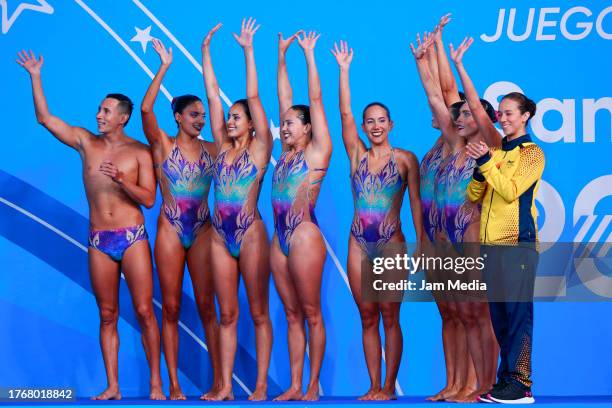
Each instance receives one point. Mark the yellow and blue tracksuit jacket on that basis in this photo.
(506, 182)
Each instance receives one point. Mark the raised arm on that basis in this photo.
(262, 130)
(350, 137)
(321, 139)
(432, 90)
(285, 94)
(215, 108)
(490, 134)
(65, 133)
(149, 122)
(445, 74)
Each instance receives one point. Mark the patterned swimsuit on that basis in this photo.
(237, 187)
(430, 166)
(378, 200)
(293, 195)
(185, 187)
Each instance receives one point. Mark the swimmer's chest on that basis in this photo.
(123, 157)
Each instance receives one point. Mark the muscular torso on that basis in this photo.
(109, 206)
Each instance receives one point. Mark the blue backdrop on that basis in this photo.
(559, 56)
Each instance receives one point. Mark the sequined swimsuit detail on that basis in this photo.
(185, 187)
(237, 187)
(378, 199)
(115, 242)
(295, 188)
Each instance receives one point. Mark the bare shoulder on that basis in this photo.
(406, 157)
(141, 150)
(210, 147)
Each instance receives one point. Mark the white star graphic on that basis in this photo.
(143, 37)
(7, 22)
(275, 131)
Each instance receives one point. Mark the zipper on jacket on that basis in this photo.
(490, 205)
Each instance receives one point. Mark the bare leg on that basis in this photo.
(104, 274)
(461, 355)
(170, 261)
(394, 343)
(255, 268)
(200, 270)
(306, 260)
(370, 320)
(296, 335)
(138, 272)
(225, 277)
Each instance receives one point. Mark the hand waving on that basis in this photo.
(343, 55)
(206, 40)
(29, 62)
(284, 43)
(308, 42)
(422, 47)
(457, 55)
(164, 55)
(444, 20)
(247, 32)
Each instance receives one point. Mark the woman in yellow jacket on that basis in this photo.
(506, 182)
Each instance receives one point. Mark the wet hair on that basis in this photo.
(369, 105)
(245, 105)
(125, 104)
(455, 109)
(303, 113)
(179, 103)
(525, 104)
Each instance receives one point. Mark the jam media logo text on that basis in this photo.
(574, 24)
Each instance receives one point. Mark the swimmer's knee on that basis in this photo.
(109, 316)
(171, 312)
(229, 317)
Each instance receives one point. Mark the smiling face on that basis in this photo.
(110, 117)
(465, 123)
(293, 130)
(238, 123)
(511, 120)
(376, 124)
(192, 119)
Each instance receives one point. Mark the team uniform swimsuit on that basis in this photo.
(184, 186)
(295, 188)
(237, 187)
(430, 165)
(115, 242)
(457, 213)
(378, 200)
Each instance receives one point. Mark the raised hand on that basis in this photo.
(422, 47)
(109, 169)
(284, 43)
(476, 150)
(444, 20)
(164, 55)
(343, 55)
(247, 32)
(29, 62)
(206, 40)
(457, 54)
(308, 42)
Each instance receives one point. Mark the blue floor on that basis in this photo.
(345, 402)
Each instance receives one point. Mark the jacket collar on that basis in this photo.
(509, 145)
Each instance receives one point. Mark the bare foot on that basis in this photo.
(464, 395)
(156, 393)
(440, 396)
(292, 394)
(312, 394)
(260, 394)
(176, 393)
(384, 395)
(224, 394)
(111, 393)
(213, 390)
(370, 394)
